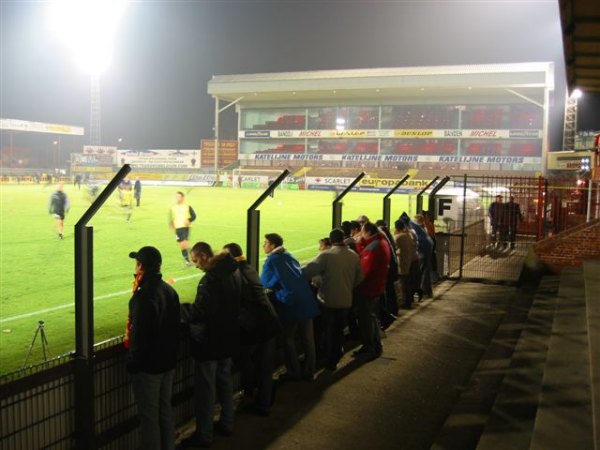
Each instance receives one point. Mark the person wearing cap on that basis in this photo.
(181, 216)
(216, 308)
(152, 340)
(340, 272)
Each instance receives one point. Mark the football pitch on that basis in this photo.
(37, 269)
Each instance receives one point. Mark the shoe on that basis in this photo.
(195, 441)
(253, 408)
(375, 355)
(222, 430)
(188, 263)
(287, 377)
(362, 351)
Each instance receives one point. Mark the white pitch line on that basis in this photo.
(104, 297)
(72, 305)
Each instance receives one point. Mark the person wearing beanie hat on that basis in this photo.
(152, 340)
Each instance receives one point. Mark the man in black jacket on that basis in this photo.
(152, 338)
(215, 310)
(259, 325)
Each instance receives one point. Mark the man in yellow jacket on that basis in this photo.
(181, 216)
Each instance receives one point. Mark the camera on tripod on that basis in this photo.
(39, 330)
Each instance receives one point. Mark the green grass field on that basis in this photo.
(37, 270)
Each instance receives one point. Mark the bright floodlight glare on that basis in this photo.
(88, 27)
(576, 93)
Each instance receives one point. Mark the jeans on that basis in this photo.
(334, 321)
(152, 394)
(212, 381)
(366, 310)
(292, 365)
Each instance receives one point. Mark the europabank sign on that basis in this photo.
(159, 159)
(228, 152)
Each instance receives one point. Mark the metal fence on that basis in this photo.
(37, 404)
(37, 410)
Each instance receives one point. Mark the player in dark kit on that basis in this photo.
(58, 207)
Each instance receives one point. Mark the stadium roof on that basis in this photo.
(489, 83)
(581, 40)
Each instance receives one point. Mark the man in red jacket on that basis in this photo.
(374, 258)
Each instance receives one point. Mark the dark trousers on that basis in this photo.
(334, 322)
(256, 370)
(368, 324)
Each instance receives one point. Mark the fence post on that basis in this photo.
(253, 222)
(464, 224)
(387, 201)
(420, 195)
(84, 319)
(336, 206)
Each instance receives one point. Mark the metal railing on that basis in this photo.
(37, 404)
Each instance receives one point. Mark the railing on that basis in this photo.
(37, 404)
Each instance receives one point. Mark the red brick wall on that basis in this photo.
(570, 247)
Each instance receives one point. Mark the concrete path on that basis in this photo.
(399, 401)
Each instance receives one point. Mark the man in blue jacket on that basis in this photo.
(295, 304)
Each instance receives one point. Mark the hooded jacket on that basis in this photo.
(153, 326)
(217, 306)
(282, 274)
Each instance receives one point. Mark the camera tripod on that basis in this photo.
(42, 333)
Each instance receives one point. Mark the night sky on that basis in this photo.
(154, 94)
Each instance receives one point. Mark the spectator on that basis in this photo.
(181, 216)
(295, 304)
(388, 306)
(152, 339)
(513, 216)
(59, 206)
(340, 272)
(354, 233)
(324, 244)
(216, 339)
(408, 262)
(496, 213)
(375, 259)
(428, 223)
(137, 191)
(259, 326)
(425, 248)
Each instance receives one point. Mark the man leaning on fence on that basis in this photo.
(152, 338)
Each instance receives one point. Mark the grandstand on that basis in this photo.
(483, 118)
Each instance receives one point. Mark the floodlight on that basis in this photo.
(576, 94)
(88, 27)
